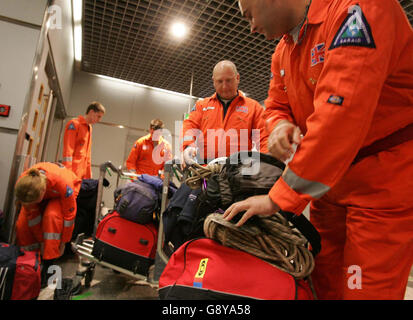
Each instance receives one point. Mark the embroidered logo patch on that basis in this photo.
(242, 109)
(337, 100)
(69, 191)
(355, 31)
(71, 127)
(317, 54)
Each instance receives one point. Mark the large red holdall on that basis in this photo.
(19, 273)
(203, 269)
(126, 244)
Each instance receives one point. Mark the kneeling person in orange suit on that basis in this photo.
(149, 153)
(47, 193)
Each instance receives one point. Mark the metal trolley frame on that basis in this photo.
(83, 247)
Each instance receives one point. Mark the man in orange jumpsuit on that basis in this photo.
(149, 153)
(226, 122)
(342, 76)
(47, 193)
(77, 141)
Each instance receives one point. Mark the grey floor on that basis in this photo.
(108, 285)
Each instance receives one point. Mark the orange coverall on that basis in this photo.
(51, 221)
(346, 83)
(220, 137)
(77, 146)
(144, 157)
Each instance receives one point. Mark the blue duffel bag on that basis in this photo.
(137, 201)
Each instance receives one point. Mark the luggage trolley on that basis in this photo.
(83, 247)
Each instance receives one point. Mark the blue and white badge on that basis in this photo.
(355, 31)
(69, 191)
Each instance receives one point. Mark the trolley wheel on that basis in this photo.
(89, 277)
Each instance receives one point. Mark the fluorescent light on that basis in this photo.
(77, 26)
(179, 30)
(77, 11)
(78, 43)
(145, 86)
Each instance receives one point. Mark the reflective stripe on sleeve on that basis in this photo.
(188, 138)
(51, 236)
(68, 223)
(34, 221)
(67, 159)
(301, 185)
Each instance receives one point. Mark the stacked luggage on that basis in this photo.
(209, 269)
(127, 236)
(125, 239)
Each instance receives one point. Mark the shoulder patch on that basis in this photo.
(69, 191)
(71, 126)
(355, 31)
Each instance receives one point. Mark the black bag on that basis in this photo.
(244, 174)
(180, 215)
(86, 207)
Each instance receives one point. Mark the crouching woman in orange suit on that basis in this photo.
(47, 193)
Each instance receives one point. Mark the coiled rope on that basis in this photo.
(270, 238)
(198, 173)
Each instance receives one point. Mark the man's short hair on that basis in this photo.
(96, 107)
(156, 124)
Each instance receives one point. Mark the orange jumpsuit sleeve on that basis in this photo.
(276, 105)
(192, 126)
(133, 156)
(343, 112)
(259, 124)
(68, 194)
(69, 143)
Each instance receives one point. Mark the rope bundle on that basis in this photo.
(270, 238)
(198, 173)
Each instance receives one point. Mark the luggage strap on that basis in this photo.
(306, 228)
(396, 138)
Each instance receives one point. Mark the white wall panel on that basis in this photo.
(18, 47)
(61, 42)
(31, 11)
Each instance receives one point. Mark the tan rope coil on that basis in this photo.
(198, 173)
(270, 238)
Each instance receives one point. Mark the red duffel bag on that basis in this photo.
(203, 269)
(19, 273)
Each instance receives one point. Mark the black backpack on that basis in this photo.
(244, 174)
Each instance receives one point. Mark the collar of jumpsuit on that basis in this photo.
(315, 15)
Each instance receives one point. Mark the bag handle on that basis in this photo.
(306, 228)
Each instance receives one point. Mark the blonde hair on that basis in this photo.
(30, 187)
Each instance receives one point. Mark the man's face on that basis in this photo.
(226, 82)
(95, 117)
(155, 132)
(272, 18)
